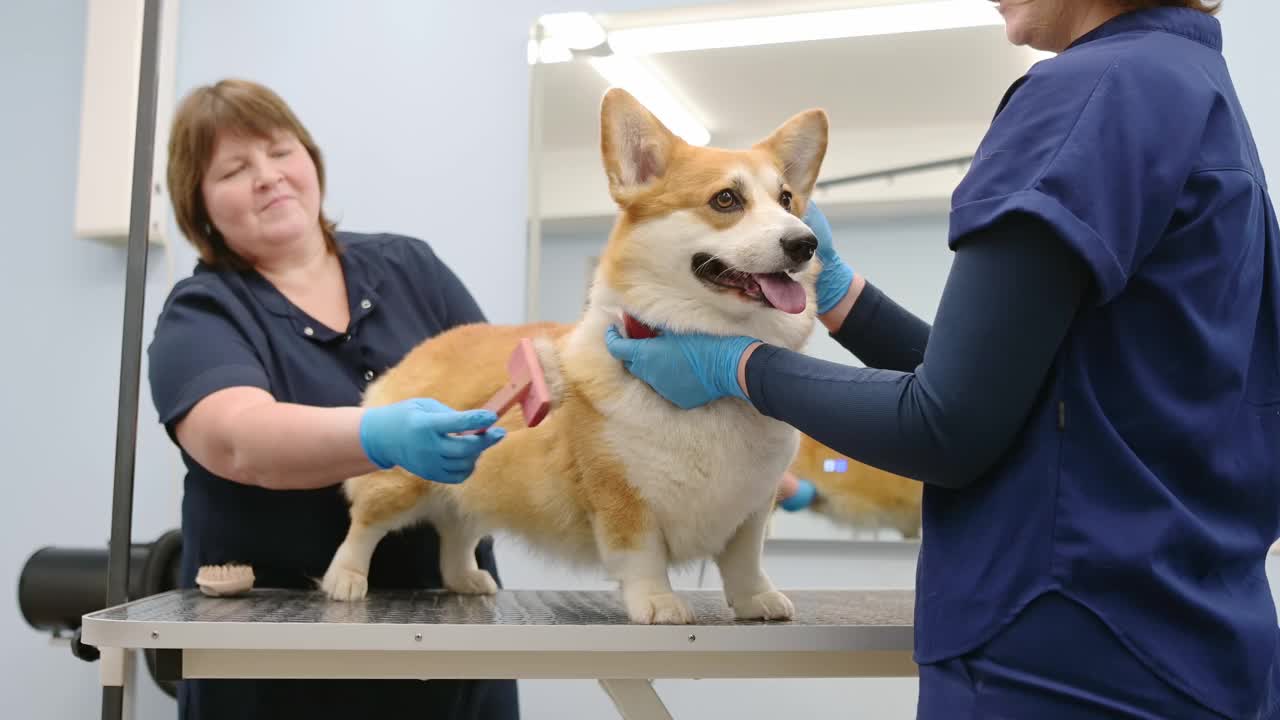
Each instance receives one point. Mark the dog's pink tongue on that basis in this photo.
(783, 292)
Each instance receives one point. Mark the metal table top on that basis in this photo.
(511, 621)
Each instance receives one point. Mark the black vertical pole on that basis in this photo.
(131, 344)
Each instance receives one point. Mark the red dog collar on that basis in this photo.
(636, 329)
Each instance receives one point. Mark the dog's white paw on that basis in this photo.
(343, 584)
(770, 605)
(662, 609)
(472, 582)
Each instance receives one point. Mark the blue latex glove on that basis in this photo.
(836, 275)
(416, 435)
(688, 370)
(803, 497)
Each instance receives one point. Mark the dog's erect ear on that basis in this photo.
(636, 146)
(800, 145)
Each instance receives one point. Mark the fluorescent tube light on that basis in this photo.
(554, 51)
(630, 75)
(798, 27)
(575, 30)
(549, 51)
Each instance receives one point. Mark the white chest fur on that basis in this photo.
(702, 471)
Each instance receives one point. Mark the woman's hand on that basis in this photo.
(795, 493)
(417, 435)
(688, 370)
(836, 277)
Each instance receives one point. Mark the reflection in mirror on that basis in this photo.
(909, 89)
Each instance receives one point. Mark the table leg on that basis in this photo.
(118, 672)
(636, 699)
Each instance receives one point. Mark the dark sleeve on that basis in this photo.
(1012, 294)
(883, 334)
(457, 305)
(198, 348)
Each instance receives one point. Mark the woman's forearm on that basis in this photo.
(283, 446)
(1010, 300)
(881, 333)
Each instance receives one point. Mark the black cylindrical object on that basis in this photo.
(60, 585)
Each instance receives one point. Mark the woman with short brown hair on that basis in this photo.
(240, 108)
(257, 368)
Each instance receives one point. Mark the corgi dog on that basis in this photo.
(615, 477)
(855, 494)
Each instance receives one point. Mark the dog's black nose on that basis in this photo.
(799, 247)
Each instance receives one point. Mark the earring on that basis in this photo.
(208, 231)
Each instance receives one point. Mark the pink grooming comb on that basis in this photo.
(525, 385)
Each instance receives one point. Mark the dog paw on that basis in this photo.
(770, 605)
(472, 582)
(663, 609)
(345, 585)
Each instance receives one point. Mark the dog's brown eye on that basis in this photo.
(725, 201)
(785, 199)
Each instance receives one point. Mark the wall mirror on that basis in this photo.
(910, 88)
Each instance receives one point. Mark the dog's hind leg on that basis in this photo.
(459, 537)
(380, 503)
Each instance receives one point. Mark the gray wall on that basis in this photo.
(61, 353)
(413, 146)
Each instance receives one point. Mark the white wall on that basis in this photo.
(61, 351)
(413, 145)
(1249, 46)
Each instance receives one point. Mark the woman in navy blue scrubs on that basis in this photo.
(257, 368)
(1095, 411)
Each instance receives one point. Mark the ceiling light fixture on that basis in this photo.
(629, 74)
(575, 30)
(798, 27)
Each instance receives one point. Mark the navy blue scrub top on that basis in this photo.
(220, 329)
(1146, 482)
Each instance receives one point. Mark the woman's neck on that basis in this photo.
(299, 264)
(1094, 17)
(312, 279)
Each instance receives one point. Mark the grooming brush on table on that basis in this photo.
(225, 580)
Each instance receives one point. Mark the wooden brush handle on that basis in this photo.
(501, 402)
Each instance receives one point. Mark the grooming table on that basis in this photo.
(515, 634)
